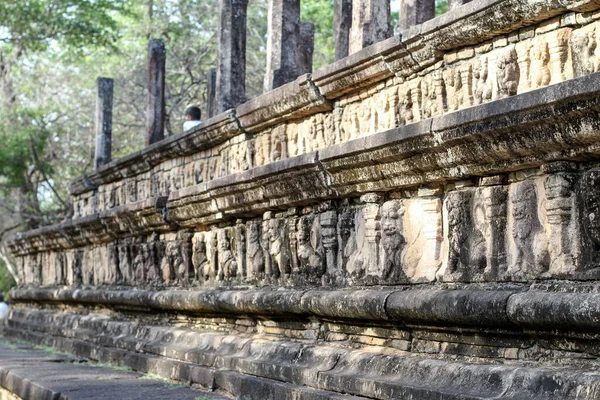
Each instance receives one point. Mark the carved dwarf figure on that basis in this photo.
(540, 57)
(392, 241)
(255, 253)
(171, 262)
(279, 248)
(125, 263)
(507, 73)
(139, 265)
(310, 254)
(199, 257)
(531, 252)
(151, 266)
(227, 263)
(483, 89)
(467, 247)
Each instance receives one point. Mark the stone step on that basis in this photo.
(37, 374)
(240, 364)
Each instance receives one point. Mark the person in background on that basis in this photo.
(3, 307)
(192, 116)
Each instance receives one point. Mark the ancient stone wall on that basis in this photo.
(424, 210)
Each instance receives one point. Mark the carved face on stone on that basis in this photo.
(254, 235)
(199, 246)
(391, 218)
(224, 244)
(274, 229)
(590, 190)
(304, 228)
(346, 226)
(456, 212)
(524, 209)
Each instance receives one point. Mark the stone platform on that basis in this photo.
(418, 220)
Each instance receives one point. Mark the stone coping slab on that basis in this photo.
(511, 307)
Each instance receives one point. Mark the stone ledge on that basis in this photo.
(126, 220)
(293, 100)
(212, 132)
(509, 308)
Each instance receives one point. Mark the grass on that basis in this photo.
(51, 350)
(166, 383)
(122, 368)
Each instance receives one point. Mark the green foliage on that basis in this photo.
(36, 24)
(441, 7)
(320, 12)
(7, 281)
(166, 383)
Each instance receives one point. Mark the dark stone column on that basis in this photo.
(370, 23)
(211, 87)
(414, 12)
(155, 117)
(282, 43)
(306, 47)
(342, 21)
(452, 4)
(231, 62)
(104, 105)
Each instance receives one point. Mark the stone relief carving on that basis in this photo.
(585, 51)
(200, 257)
(393, 241)
(124, 262)
(227, 264)
(540, 58)
(138, 264)
(559, 213)
(405, 107)
(310, 249)
(494, 200)
(558, 48)
(507, 71)
(466, 243)
(482, 81)
(454, 88)
(590, 219)
(279, 249)
(530, 254)
(542, 227)
(171, 262)
(255, 254)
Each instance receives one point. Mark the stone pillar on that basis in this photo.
(415, 12)
(306, 47)
(155, 117)
(282, 43)
(370, 23)
(104, 104)
(452, 4)
(211, 88)
(231, 61)
(342, 21)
